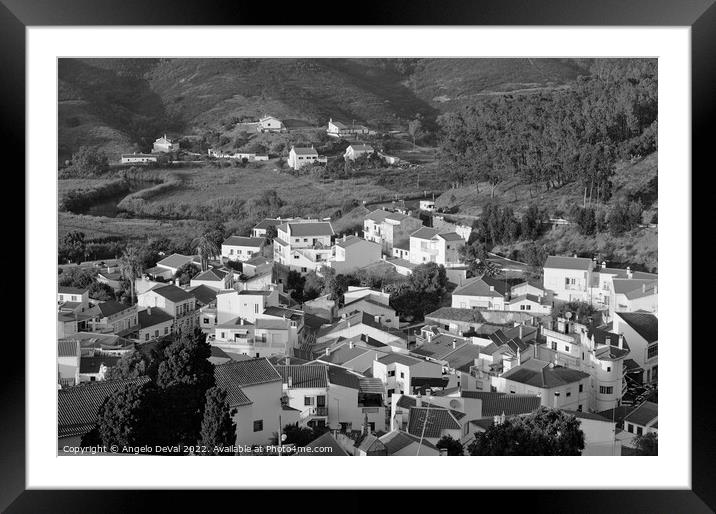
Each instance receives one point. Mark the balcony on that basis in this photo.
(314, 412)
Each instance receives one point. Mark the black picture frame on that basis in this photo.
(700, 15)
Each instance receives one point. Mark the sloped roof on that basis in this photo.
(425, 233)
(67, 348)
(343, 377)
(455, 314)
(361, 148)
(370, 443)
(397, 440)
(111, 307)
(172, 292)
(451, 236)
(246, 373)
(304, 150)
(90, 364)
(77, 406)
(304, 376)
(575, 263)
(644, 323)
(311, 228)
(494, 404)
(203, 294)
(352, 240)
(587, 415)
(643, 414)
(400, 358)
(211, 274)
(343, 354)
(70, 290)
(267, 222)
(175, 260)
(325, 441)
(441, 346)
(252, 242)
(377, 215)
(370, 385)
(541, 374)
(437, 420)
(480, 286)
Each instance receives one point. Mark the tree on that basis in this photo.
(218, 429)
(647, 444)
(581, 311)
(130, 365)
(271, 233)
(76, 277)
(476, 257)
(294, 283)
(453, 446)
(313, 286)
(186, 272)
(73, 246)
(298, 435)
(130, 267)
(534, 255)
(121, 418)
(86, 162)
(206, 248)
(415, 127)
(100, 291)
(543, 432)
(422, 292)
(335, 284)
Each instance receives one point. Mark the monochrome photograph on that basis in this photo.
(357, 256)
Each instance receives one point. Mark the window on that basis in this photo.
(653, 351)
(166, 330)
(391, 373)
(390, 392)
(566, 347)
(256, 308)
(146, 336)
(554, 345)
(402, 375)
(223, 335)
(606, 389)
(206, 321)
(654, 373)
(581, 388)
(630, 428)
(156, 333)
(569, 393)
(308, 400)
(579, 408)
(258, 425)
(639, 430)
(609, 368)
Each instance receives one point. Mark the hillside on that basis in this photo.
(632, 180)
(122, 105)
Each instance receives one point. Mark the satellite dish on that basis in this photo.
(568, 315)
(455, 404)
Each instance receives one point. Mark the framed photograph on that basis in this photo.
(433, 232)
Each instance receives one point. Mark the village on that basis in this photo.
(501, 340)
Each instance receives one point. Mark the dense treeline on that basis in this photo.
(557, 137)
(79, 200)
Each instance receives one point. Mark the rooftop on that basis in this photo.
(397, 440)
(644, 323)
(111, 307)
(425, 233)
(70, 290)
(171, 292)
(543, 374)
(438, 419)
(304, 376)
(482, 286)
(310, 229)
(176, 260)
(575, 263)
(643, 414)
(252, 242)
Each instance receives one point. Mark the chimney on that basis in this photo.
(628, 271)
(350, 345)
(290, 381)
(520, 331)
(454, 342)
(621, 341)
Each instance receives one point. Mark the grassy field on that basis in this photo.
(129, 229)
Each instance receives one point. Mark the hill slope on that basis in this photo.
(123, 104)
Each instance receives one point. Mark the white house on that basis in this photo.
(390, 229)
(299, 157)
(114, 318)
(71, 297)
(568, 278)
(558, 386)
(481, 293)
(429, 245)
(352, 253)
(305, 388)
(644, 419)
(174, 301)
(213, 278)
(352, 397)
(68, 362)
(254, 389)
(370, 301)
(400, 372)
(340, 129)
(303, 246)
(138, 158)
(270, 124)
(355, 151)
(630, 295)
(641, 330)
(165, 145)
(238, 248)
(153, 324)
(246, 304)
(363, 323)
(427, 205)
